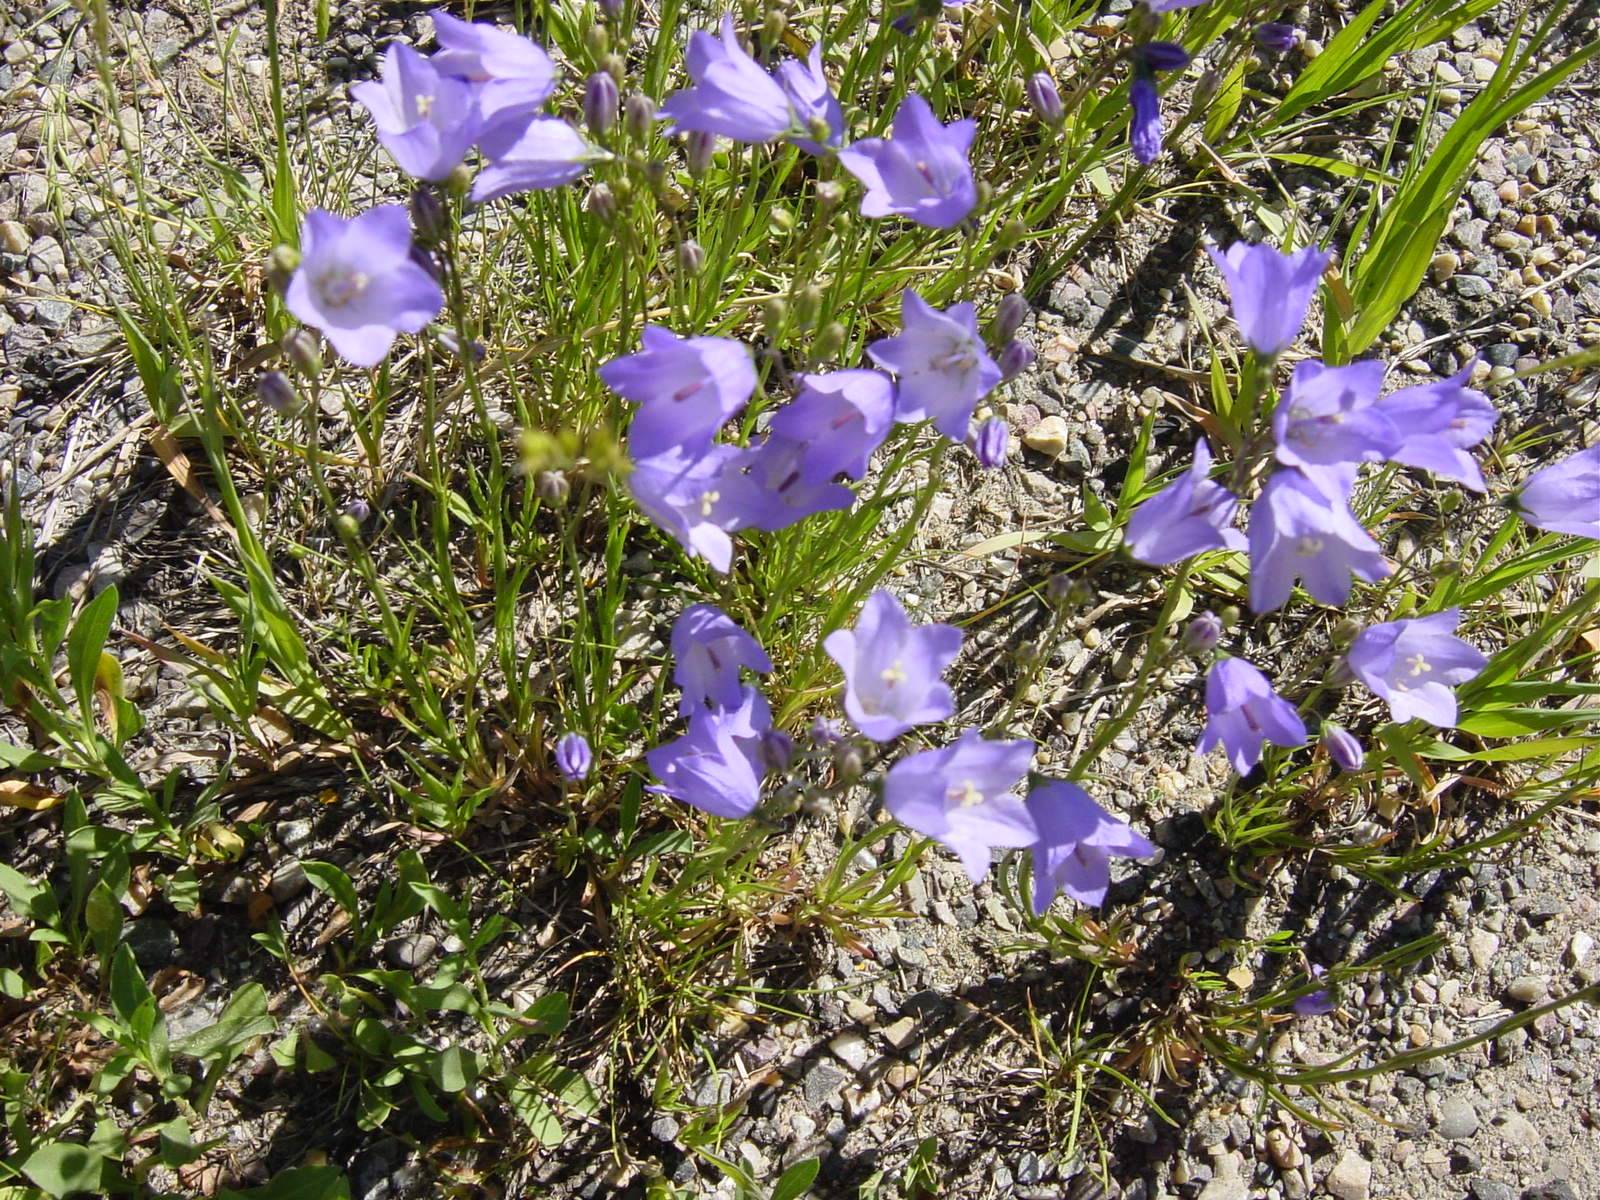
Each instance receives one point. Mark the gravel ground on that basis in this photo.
(924, 1033)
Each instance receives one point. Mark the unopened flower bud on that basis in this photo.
(1016, 358)
(1276, 37)
(777, 750)
(427, 215)
(773, 25)
(1343, 747)
(612, 9)
(1202, 634)
(1345, 630)
(1009, 316)
(301, 349)
(1043, 97)
(639, 114)
(359, 510)
(600, 102)
(691, 257)
(828, 342)
(614, 66)
(655, 174)
(781, 218)
(1205, 91)
(808, 305)
(988, 442)
(281, 266)
(821, 132)
(1011, 233)
(552, 488)
(847, 762)
(1062, 592)
(698, 148)
(275, 391)
(773, 312)
(1231, 616)
(573, 757)
(598, 41)
(985, 193)
(827, 731)
(601, 202)
(1339, 674)
(829, 193)
(347, 527)
(459, 181)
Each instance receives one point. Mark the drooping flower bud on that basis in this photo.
(698, 148)
(598, 41)
(639, 114)
(1014, 309)
(612, 8)
(829, 193)
(552, 487)
(1011, 232)
(614, 66)
(1016, 358)
(828, 342)
(808, 305)
(772, 26)
(281, 265)
(573, 757)
(777, 750)
(773, 312)
(427, 215)
(1343, 747)
(275, 391)
(1162, 56)
(600, 103)
(847, 762)
(988, 442)
(1276, 37)
(1202, 634)
(601, 202)
(358, 510)
(301, 349)
(691, 257)
(1043, 98)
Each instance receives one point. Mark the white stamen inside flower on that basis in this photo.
(958, 358)
(1307, 546)
(1418, 665)
(708, 501)
(893, 674)
(339, 288)
(424, 107)
(964, 796)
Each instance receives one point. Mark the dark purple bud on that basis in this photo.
(847, 762)
(600, 102)
(611, 8)
(1043, 97)
(275, 391)
(301, 349)
(1016, 358)
(988, 442)
(1202, 634)
(827, 731)
(777, 750)
(573, 757)
(1276, 37)
(427, 215)
(552, 488)
(698, 147)
(358, 510)
(1162, 56)
(1058, 590)
(602, 202)
(1343, 747)
(691, 257)
(639, 114)
(1008, 318)
(1317, 1003)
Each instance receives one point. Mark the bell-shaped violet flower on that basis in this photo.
(942, 367)
(1318, 1003)
(1329, 417)
(1437, 424)
(770, 486)
(1270, 291)
(547, 153)
(1299, 531)
(988, 443)
(1343, 747)
(1077, 840)
(733, 95)
(1166, 6)
(708, 648)
(425, 119)
(717, 766)
(685, 388)
(1413, 664)
(842, 418)
(358, 283)
(920, 172)
(961, 796)
(1565, 496)
(1243, 713)
(511, 77)
(1188, 516)
(679, 493)
(892, 668)
(1144, 131)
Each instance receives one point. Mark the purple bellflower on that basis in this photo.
(1203, 634)
(1077, 840)
(988, 442)
(1016, 358)
(1144, 98)
(1343, 747)
(425, 119)
(717, 766)
(1565, 496)
(358, 283)
(1275, 37)
(942, 366)
(685, 388)
(1188, 516)
(547, 153)
(920, 172)
(1413, 664)
(679, 492)
(771, 487)
(892, 668)
(734, 96)
(1270, 291)
(708, 648)
(1299, 531)
(1329, 417)
(511, 77)
(573, 757)
(842, 418)
(1437, 424)
(1318, 1003)
(961, 796)
(1243, 713)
